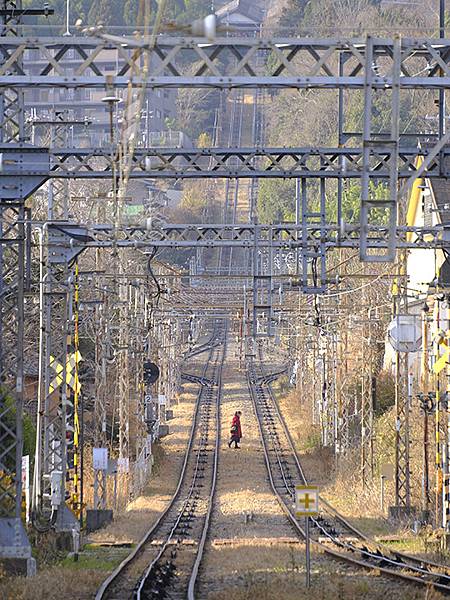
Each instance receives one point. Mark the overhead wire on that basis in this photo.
(152, 255)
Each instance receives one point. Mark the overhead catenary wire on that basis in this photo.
(157, 296)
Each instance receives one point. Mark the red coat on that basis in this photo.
(237, 422)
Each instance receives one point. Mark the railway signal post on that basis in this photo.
(307, 505)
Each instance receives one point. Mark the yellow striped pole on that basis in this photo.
(425, 381)
(446, 492)
(437, 416)
(76, 389)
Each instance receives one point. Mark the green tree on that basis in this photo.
(107, 12)
(131, 11)
(276, 200)
(292, 15)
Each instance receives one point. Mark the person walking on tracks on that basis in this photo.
(236, 430)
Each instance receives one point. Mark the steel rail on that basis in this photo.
(201, 546)
(335, 514)
(330, 509)
(232, 184)
(111, 579)
(202, 347)
(140, 592)
(205, 527)
(377, 555)
(423, 573)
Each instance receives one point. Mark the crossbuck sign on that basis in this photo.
(306, 500)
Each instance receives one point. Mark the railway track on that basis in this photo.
(171, 550)
(330, 531)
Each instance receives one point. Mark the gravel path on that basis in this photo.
(248, 525)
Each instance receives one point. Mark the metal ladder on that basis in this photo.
(313, 243)
(374, 211)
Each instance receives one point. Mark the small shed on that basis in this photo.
(241, 14)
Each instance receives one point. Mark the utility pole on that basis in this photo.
(367, 400)
(446, 479)
(427, 404)
(102, 354)
(14, 545)
(123, 383)
(137, 402)
(437, 421)
(442, 126)
(402, 400)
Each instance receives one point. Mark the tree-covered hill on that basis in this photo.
(358, 16)
(310, 117)
(122, 12)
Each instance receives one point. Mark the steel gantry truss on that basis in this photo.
(224, 63)
(55, 403)
(375, 65)
(190, 163)
(58, 363)
(288, 236)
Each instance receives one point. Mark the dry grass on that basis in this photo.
(277, 572)
(278, 586)
(79, 580)
(54, 583)
(130, 524)
(340, 482)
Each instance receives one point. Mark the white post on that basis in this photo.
(67, 32)
(307, 553)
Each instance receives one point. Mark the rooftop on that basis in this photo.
(247, 8)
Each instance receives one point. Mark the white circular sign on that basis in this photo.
(405, 333)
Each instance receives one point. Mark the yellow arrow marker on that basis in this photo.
(71, 380)
(441, 363)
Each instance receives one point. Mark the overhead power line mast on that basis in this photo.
(127, 396)
(374, 210)
(58, 363)
(14, 544)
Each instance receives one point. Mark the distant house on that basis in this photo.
(241, 14)
(86, 104)
(427, 269)
(429, 205)
(385, 4)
